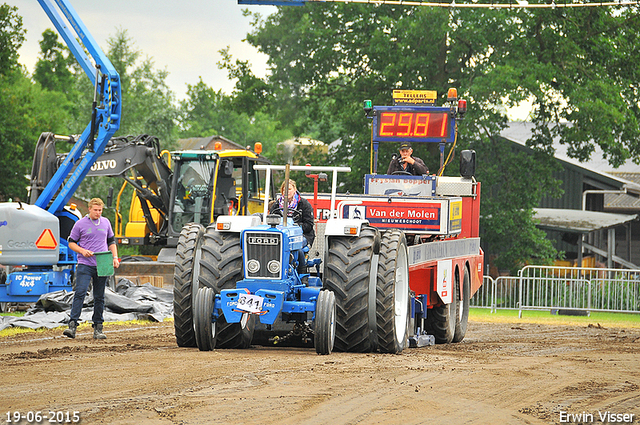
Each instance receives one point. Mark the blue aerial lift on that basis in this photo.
(35, 236)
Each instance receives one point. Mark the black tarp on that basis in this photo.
(127, 302)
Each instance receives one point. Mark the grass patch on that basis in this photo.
(543, 317)
(17, 313)
(11, 331)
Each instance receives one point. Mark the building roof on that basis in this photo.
(522, 131)
(597, 166)
(623, 202)
(577, 221)
(207, 143)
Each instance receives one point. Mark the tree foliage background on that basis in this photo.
(575, 65)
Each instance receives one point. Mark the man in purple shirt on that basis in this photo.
(91, 234)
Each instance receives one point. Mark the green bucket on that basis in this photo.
(105, 263)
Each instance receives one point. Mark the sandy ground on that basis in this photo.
(500, 374)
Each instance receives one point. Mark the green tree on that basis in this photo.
(207, 112)
(11, 38)
(25, 110)
(513, 182)
(251, 94)
(53, 69)
(148, 105)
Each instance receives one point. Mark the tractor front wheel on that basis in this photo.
(325, 323)
(205, 329)
(221, 268)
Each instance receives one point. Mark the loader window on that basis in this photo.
(193, 193)
(256, 182)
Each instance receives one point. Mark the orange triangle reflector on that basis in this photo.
(46, 240)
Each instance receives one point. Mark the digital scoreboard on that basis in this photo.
(412, 124)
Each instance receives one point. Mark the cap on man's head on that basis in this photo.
(405, 145)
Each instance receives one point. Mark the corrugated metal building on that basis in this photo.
(590, 187)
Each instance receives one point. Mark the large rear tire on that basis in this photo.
(221, 268)
(325, 324)
(392, 293)
(347, 273)
(463, 308)
(441, 321)
(185, 279)
(205, 329)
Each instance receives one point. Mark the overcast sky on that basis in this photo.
(182, 36)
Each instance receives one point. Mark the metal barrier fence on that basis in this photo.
(500, 293)
(547, 287)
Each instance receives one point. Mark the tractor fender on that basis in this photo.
(236, 223)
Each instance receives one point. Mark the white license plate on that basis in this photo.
(250, 303)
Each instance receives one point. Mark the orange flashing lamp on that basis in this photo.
(257, 148)
(452, 94)
(72, 206)
(217, 146)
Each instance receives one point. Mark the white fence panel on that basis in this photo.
(548, 287)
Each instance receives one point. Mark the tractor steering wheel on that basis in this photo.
(296, 215)
(401, 173)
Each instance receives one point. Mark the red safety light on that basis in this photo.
(462, 106)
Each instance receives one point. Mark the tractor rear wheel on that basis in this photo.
(185, 279)
(205, 329)
(221, 268)
(347, 273)
(463, 308)
(325, 324)
(441, 321)
(392, 293)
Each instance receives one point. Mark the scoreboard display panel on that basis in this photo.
(413, 124)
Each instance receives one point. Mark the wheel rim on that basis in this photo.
(401, 295)
(195, 275)
(213, 327)
(460, 304)
(332, 322)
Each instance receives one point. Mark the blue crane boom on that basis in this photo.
(106, 113)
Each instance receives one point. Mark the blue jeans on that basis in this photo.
(84, 275)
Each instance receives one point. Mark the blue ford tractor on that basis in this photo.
(244, 269)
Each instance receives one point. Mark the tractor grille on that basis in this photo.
(263, 252)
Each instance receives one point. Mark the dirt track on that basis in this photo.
(500, 374)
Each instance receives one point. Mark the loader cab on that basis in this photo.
(249, 183)
(207, 184)
(192, 188)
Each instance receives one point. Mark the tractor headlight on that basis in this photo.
(253, 266)
(274, 266)
(273, 219)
